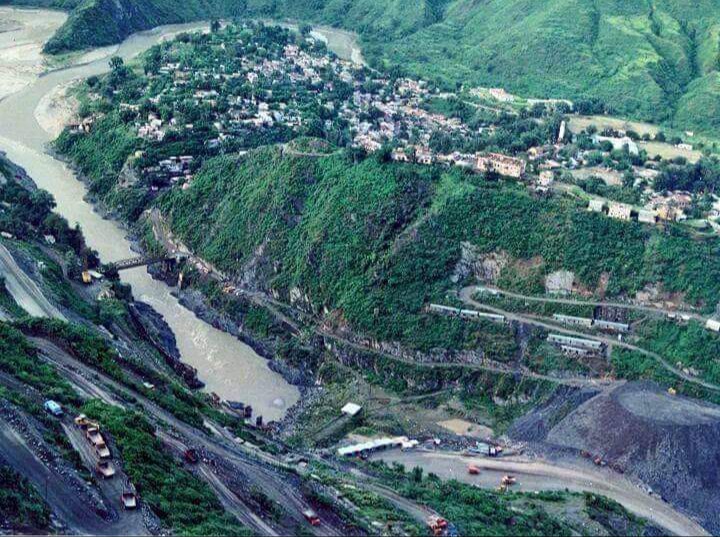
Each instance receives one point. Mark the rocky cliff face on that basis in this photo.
(670, 443)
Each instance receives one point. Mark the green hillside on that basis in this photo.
(377, 241)
(655, 61)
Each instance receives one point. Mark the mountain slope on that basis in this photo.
(651, 60)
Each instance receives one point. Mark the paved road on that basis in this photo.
(24, 290)
(539, 475)
(466, 296)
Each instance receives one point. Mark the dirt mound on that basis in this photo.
(670, 443)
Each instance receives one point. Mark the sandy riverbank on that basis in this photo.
(57, 109)
(22, 33)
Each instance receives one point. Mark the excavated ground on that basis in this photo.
(669, 443)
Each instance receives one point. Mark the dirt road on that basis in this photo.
(128, 522)
(575, 302)
(467, 293)
(62, 495)
(24, 290)
(485, 366)
(260, 469)
(535, 475)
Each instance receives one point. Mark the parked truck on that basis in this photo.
(312, 517)
(92, 433)
(128, 498)
(102, 450)
(105, 469)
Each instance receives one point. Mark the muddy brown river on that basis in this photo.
(227, 366)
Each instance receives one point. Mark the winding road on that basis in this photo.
(534, 475)
(260, 469)
(467, 293)
(575, 302)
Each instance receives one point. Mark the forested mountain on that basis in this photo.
(654, 60)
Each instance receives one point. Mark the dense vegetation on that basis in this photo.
(182, 501)
(19, 359)
(20, 503)
(655, 61)
(377, 241)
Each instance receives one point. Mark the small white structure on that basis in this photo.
(596, 206)
(561, 134)
(713, 324)
(646, 216)
(378, 444)
(620, 211)
(351, 409)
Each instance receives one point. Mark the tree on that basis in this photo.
(116, 63)
(215, 26)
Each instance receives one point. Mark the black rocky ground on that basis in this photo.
(669, 443)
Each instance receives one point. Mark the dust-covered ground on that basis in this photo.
(57, 109)
(22, 33)
(669, 443)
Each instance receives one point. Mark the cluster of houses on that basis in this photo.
(480, 162)
(660, 208)
(273, 90)
(254, 87)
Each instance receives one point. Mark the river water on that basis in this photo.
(226, 365)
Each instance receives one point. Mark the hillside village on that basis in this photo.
(253, 85)
(347, 300)
(257, 85)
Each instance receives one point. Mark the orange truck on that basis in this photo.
(438, 525)
(312, 517)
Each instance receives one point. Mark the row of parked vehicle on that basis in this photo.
(104, 466)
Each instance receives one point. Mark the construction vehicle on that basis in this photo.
(82, 421)
(437, 525)
(85, 423)
(102, 450)
(105, 469)
(92, 433)
(128, 498)
(191, 456)
(508, 480)
(312, 517)
(473, 470)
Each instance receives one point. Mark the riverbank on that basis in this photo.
(226, 365)
(22, 35)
